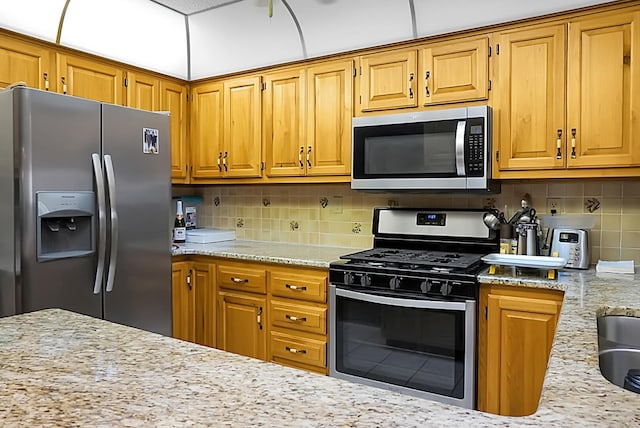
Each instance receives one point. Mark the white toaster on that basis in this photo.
(573, 245)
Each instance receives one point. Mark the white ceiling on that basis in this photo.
(194, 39)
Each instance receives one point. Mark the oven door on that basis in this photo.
(424, 348)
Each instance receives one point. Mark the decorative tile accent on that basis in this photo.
(216, 201)
(592, 204)
(324, 201)
(293, 225)
(357, 228)
(266, 202)
(240, 222)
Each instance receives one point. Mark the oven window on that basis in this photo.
(406, 150)
(421, 349)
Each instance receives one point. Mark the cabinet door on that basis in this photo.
(91, 79)
(603, 95)
(284, 133)
(242, 128)
(183, 301)
(530, 98)
(519, 337)
(242, 324)
(388, 80)
(173, 98)
(205, 306)
(23, 62)
(329, 112)
(455, 71)
(143, 91)
(206, 131)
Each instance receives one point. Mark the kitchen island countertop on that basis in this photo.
(61, 368)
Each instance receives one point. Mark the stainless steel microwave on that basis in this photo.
(445, 150)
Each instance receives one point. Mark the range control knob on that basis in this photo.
(394, 282)
(347, 278)
(445, 289)
(423, 287)
(365, 280)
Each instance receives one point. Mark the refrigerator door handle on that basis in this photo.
(111, 184)
(102, 221)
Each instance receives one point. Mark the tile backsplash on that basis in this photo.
(333, 214)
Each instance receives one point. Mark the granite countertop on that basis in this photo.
(58, 368)
(263, 251)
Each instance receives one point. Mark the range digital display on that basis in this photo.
(431, 219)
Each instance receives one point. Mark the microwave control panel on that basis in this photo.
(475, 148)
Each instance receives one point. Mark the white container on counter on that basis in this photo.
(208, 236)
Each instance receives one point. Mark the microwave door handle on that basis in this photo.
(460, 129)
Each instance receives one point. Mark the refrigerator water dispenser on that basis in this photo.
(65, 225)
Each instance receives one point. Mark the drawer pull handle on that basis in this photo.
(296, 287)
(295, 351)
(295, 318)
(239, 280)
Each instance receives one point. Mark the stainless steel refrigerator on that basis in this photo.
(85, 190)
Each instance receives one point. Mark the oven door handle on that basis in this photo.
(460, 130)
(394, 301)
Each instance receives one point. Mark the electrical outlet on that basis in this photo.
(554, 206)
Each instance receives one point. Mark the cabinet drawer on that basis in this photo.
(298, 349)
(298, 317)
(311, 287)
(243, 279)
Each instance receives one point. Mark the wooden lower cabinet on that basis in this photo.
(241, 324)
(298, 318)
(516, 329)
(193, 302)
(266, 311)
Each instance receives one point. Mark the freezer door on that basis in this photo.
(136, 151)
(56, 135)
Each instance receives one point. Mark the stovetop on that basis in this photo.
(403, 259)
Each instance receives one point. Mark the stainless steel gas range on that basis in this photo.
(403, 314)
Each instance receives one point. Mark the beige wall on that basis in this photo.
(295, 213)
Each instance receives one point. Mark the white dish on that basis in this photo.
(540, 262)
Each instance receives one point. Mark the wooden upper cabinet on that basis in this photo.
(284, 123)
(207, 144)
(173, 98)
(329, 113)
(603, 78)
(91, 79)
(143, 91)
(455, 71)
(24, 62)
(530, 98)
(388, 80)
(242, 127)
